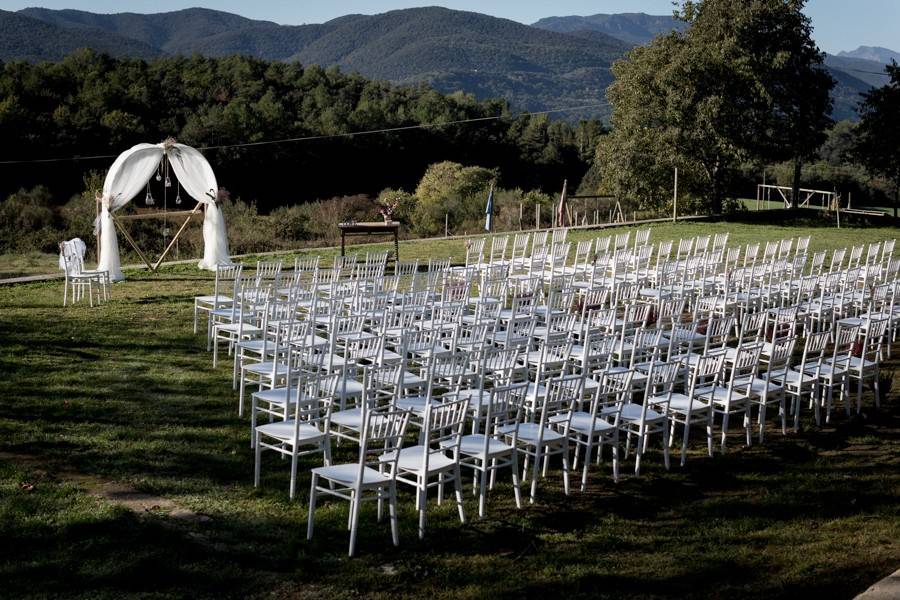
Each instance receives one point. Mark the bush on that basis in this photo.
(449, 189)
(28, 222)
(291, 223)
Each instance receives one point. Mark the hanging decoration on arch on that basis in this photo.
(128, 175)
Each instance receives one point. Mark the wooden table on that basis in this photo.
(372, 228)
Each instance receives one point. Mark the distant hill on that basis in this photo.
(26, 38)
(634, 28)
(452, 50)
(560, 62)
(874, 53)
(854, 72)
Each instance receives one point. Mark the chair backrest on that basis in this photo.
(306, 264)
(664, 250)
(268, 270)
(563, 394)
(503, 412)
(708, 368)
(474, 251)
(814, 353)
(602, 244)
(314, 396)
(752, 327)
(746, 362)
(717, 332)
(520, 245)
(780, 357)
(660, 385)
(501, 365)
(442, 429)
(73, 265)
(381, 438)
(641, 237)
(613, 391)
(873, 339)
(720, 241)
(226, 274)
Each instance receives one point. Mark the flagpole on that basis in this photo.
(489, 211)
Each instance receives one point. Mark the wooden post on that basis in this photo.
(837, 210)
(675, 199)
(537, 216)
(521, 214)
(446, 225)
(175, 238)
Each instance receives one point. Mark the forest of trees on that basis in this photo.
(90, 104)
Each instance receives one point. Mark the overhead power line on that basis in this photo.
(308, 138)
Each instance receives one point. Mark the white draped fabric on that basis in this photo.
(128, 176)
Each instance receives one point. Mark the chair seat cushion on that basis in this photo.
(473, 445)
(347, 475)
(284, 431)
(412, 458)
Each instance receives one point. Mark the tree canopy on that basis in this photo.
(877, 142)
(90, 104)
(743, 82)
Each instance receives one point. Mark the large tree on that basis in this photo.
(742, 82)
(791, 77)
(877, 144)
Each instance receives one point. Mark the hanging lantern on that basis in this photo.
(168, 181)
(178, 195)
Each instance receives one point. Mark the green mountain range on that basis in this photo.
(559, 62)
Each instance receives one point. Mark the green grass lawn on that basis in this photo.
(126, 392)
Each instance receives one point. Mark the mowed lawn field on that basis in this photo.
(125, 393)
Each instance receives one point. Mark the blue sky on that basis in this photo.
(839, 24)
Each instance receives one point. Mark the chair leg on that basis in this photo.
(588, 448)
(877, 385)
(392, 508)
(294, 459)
(458, 485)
(258, 457)
(709, 432)
(354, 521)
(725, 416)
(253, 420)
(684, 442)
(422, 504)
(665, 435)
(762, 419)
(482, 496)
(782, 409)
(515, 477)
(310, 519)
(535, 473)
(565, 467)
